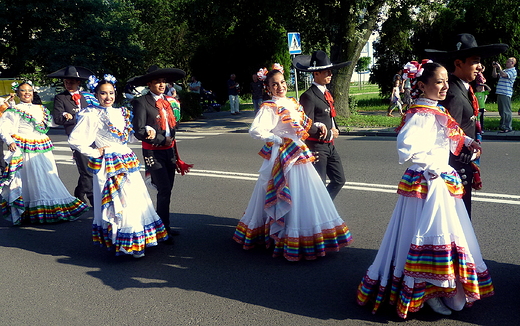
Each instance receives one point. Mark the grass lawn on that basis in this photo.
(371, 111)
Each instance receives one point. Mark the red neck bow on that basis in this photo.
(330, 100)
(76, 98)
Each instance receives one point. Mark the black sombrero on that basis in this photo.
(318, 61)
(72, 72)
(154, 72)
(466, 46)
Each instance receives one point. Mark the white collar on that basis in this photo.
(322, 88)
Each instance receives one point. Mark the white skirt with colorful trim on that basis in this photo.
(429, 247)
(124, 217)
(32, 190)
(304, 225)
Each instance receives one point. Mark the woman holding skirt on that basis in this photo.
(290, 207)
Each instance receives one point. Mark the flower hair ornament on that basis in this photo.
(414, 70)
(93, 81)
(16, 84)
(111, 79)
(262, 73)
(277, 66)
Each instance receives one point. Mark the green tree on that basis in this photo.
(419, 25)
(40, 37)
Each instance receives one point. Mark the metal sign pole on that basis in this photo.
(296, 80)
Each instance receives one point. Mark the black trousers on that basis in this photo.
(161, 165)
(85, 180)
(328, 164)
(465, 172)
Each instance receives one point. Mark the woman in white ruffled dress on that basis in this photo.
(32, 191)
(290, 207)
(124, 217)
(429, 252)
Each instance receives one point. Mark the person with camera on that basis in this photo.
(504, 91)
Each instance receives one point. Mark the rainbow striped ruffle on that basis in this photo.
(117, 168)
(33, 145)
(446, 262)
(14, 164)
(132, 242)
(115, 163)
(294, 249)
(414, 184)
(45, 213)
(289, 153)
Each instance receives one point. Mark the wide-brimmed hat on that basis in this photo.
(318, 61)
(154, 72)
(72, 72)
(465, 46)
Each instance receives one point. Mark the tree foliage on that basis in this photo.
(419, 25)
(42, 36)
(215, 38)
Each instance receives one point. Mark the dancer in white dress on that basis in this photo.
(31, 187)
(124, 216)
(429, 252)
(289, 206)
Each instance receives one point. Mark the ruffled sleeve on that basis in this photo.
(265, 121)
(85, 131)
(416, 140)
(9, 123)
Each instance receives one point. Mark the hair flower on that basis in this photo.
(111, 79)
(277, 66)
(262, 73)
(92, 82)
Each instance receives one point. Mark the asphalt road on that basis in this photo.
(53, 275)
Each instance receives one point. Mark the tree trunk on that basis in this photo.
(348, 43)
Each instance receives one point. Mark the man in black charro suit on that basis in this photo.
(319, 106)
(67, 104)
(154, 124)
(463, 62)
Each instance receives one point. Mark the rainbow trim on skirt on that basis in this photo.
(131, 243)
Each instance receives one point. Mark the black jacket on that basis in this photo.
(63, 102)
(145, 114)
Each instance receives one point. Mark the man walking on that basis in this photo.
(504, 92)
(233, 90)
(318, 104)
(464, 63)
(67, 105)
(154, 124)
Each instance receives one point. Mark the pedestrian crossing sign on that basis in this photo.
(295, 46)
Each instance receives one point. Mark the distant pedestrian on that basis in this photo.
(395, 99)
(481, 93)
(257, 92)
(504, 92)
(233, 91)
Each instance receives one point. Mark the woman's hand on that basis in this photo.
(150, 133)
(102, 150)
(12, 147)
(335, 132)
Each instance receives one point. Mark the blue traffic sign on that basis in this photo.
(295, 45)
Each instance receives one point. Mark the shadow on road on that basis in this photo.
(204, 258)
